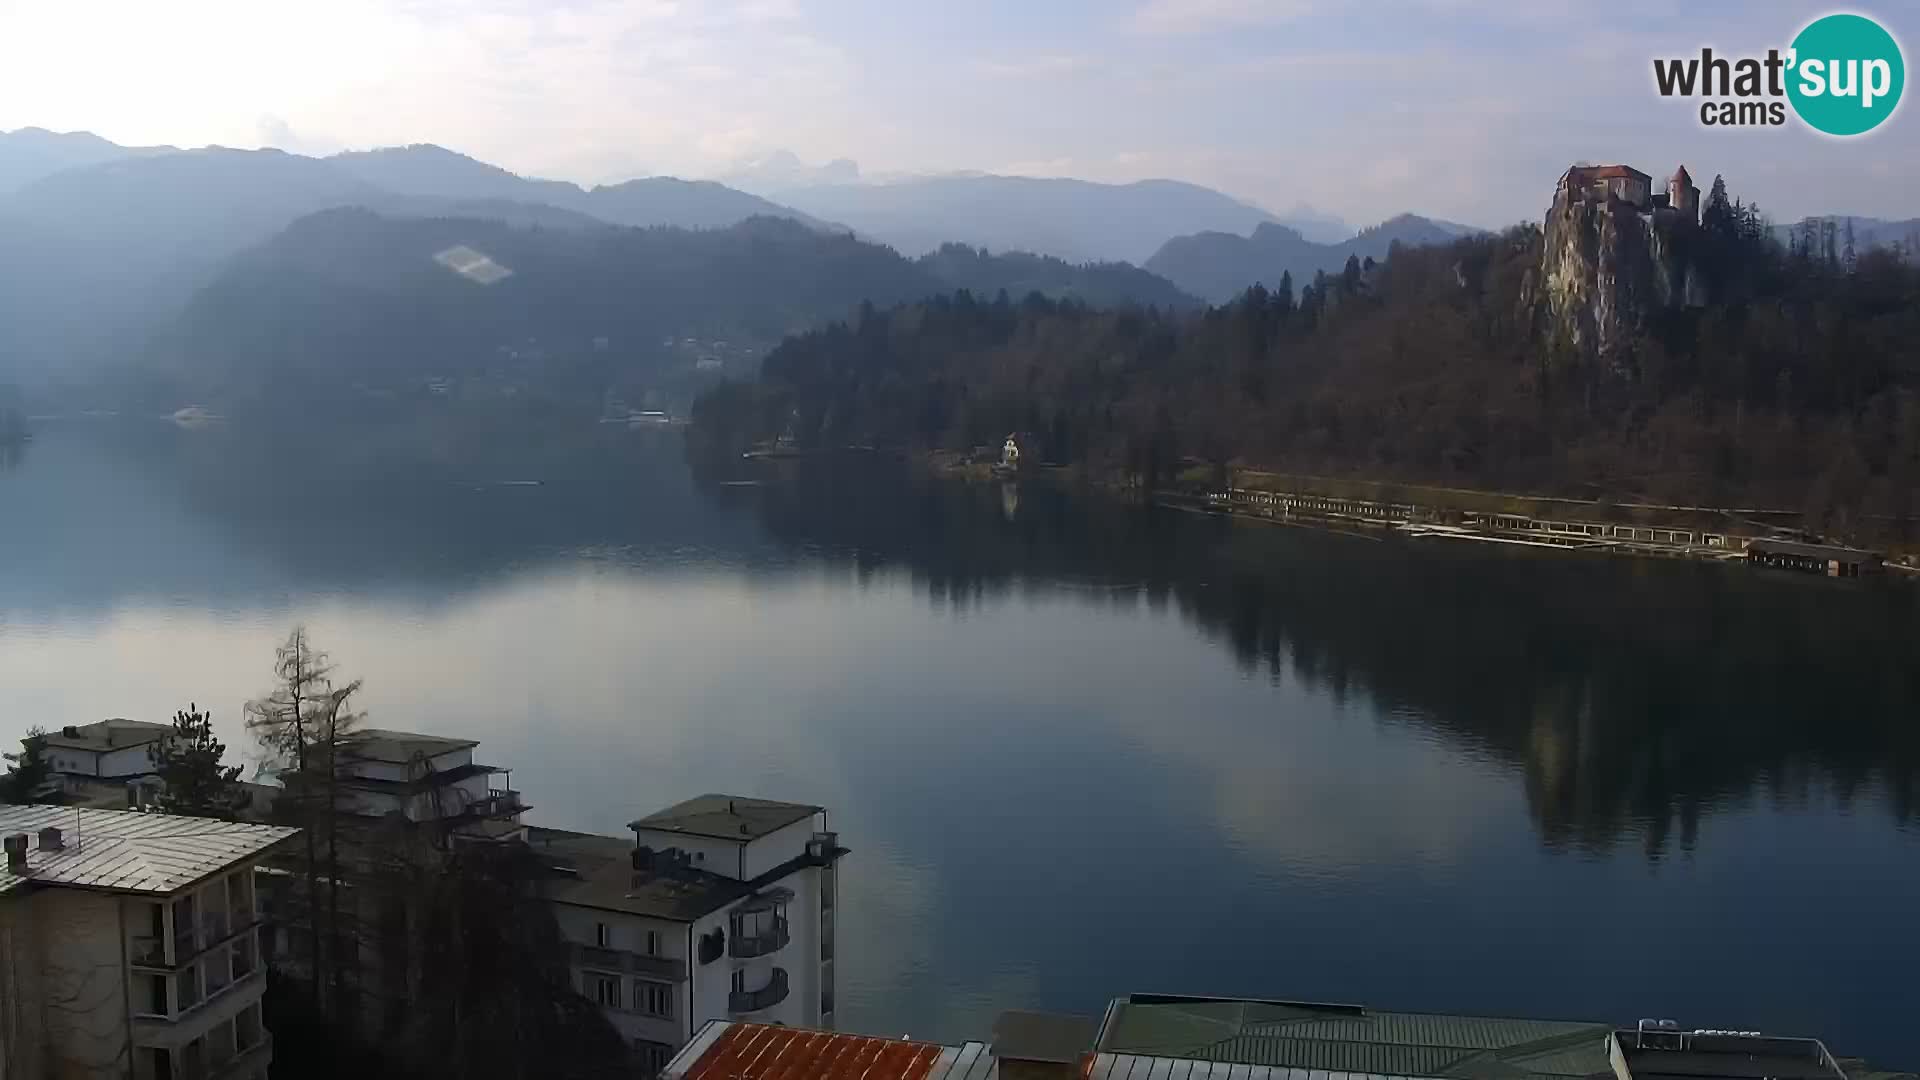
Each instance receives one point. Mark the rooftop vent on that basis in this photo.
(16, 845)
(50, 839)
(70, 731)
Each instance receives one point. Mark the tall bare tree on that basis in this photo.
(302, 724)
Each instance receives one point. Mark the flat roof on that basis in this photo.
(597, 872)
(1352, 1039)
(1812, 551)
(128, 852)
(1038, 1036)
(731, 1050)
(399, 747)
(104, 735)
(726, 817)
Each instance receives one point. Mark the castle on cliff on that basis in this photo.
(1598, 183)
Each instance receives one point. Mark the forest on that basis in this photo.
(1795, 385)
(350, 307)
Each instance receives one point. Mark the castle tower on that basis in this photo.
(1683, 196)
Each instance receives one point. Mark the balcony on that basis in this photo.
(771, 938)
(747, 1001)
(188, 943)
(632, 963)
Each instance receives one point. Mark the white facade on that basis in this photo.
(706, 926)
(110, 749)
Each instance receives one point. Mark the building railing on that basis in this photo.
(746, 1001)
(150, 952)
(632, 963)
(772, 938)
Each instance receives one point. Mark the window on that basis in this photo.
(653, 943)
(739, 982)
(603, 935)
(652, 998)
(603, 989)
(651, 1056)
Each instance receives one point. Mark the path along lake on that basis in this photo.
(1078, 748)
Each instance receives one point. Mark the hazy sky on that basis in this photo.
(1464, 109)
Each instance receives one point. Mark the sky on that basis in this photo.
(1459, 109)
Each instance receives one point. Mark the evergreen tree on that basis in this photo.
(1283, 296)
(1717, 216)
(189, 766)
(29, 769)
(1847, 259)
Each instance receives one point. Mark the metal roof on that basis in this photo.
(1347, 1038)
(726, 817)
(727, 1050)
(124, 851)
(104, 735)
(1141, 1067)
(399, 747)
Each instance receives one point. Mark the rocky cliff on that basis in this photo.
(1606, 267)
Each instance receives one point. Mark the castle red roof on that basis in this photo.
(1609, 172)
(1682, 176)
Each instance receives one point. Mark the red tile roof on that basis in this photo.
(769, 1052)
(1609, 172)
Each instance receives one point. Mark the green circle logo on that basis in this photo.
(1846, 74)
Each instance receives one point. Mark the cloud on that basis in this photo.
(274, 131)
(1026, 67)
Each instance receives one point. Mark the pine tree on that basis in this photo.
(1717, 216)
(30, 770)
(189, 766)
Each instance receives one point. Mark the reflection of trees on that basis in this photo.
(1636, 697)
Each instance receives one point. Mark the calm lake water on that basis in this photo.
(1077, 749)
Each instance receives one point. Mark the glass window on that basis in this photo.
(603, 935)
(652, 998)
(604, 990)
(653, 1056)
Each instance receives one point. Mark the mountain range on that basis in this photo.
(1076, 220)
(1217, 266)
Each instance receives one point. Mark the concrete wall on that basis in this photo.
(777, 847)
(83, 987)
(132, 761)
(629, 934)
(22, 1038)
(721, 857)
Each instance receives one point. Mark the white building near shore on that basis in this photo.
(720, 908)
(130, 945)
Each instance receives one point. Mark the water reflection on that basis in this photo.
(1636, 696)
(1078, 748)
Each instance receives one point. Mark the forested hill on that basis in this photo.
(1797, 385)
(348, 301)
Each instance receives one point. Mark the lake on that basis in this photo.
(1079, 749)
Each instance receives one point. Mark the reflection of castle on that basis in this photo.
(1598, 183)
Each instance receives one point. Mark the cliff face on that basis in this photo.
(1605, 268)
